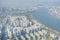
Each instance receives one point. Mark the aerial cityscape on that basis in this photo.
(29, 20)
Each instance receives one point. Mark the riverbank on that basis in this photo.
(47, 28)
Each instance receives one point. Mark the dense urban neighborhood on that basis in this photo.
(24, 28)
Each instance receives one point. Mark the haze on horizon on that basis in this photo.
(28, 3)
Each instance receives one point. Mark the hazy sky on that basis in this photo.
(27, 3)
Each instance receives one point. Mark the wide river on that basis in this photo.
(43, 16)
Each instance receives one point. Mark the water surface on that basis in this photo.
(43, 16)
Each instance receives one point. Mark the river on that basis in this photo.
(43, 16)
